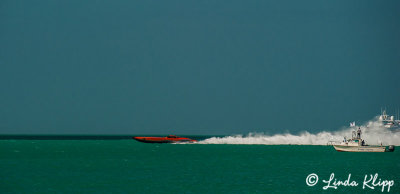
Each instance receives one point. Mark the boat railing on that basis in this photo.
(331, 143)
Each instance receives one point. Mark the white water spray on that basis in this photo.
(373, 132)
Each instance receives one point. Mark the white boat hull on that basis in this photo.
(340, 148)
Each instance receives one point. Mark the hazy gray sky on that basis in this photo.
(195, 67)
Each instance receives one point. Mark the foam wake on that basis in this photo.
(373, 132)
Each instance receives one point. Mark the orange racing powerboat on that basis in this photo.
(168, 139)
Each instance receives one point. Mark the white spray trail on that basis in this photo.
(373, 132)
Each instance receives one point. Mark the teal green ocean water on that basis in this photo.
(120, 166)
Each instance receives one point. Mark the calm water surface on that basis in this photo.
(119, 166)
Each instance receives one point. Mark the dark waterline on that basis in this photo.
(87, 137)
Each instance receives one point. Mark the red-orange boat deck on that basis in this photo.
(168, 139)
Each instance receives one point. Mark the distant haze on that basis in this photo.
(196, 67)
